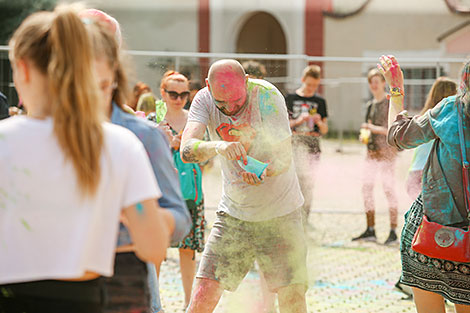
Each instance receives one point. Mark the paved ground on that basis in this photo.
(344, 276)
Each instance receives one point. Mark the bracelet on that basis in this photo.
(396, 92)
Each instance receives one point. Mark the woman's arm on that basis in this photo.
(150, 228)
(403, 132)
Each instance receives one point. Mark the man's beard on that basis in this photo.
(229, 113)
(226, 112)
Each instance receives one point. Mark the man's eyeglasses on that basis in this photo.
(174, 95)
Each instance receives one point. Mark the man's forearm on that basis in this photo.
(197, 151)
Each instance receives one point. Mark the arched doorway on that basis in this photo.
(262, 33)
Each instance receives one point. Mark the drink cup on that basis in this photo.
(364, 135)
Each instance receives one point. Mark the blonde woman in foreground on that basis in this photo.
(62, 168)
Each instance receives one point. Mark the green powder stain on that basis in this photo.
(196, 145)
(251, 85)
(265, 94)
(25, 224)
(2, 137)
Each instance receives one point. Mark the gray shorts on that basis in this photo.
(278, 245)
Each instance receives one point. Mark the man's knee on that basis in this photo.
(292, 298)
(292, 292)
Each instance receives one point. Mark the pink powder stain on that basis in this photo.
(394, 69)
(228, 85)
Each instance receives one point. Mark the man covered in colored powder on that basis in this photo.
(258, 217)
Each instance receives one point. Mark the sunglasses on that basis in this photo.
(174, 95)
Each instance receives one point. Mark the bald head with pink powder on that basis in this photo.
(227, 84)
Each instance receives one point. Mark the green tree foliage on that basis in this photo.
(13, 12)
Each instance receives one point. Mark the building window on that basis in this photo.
(418, 82)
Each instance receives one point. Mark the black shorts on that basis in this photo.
(52, 296)
(128, 289)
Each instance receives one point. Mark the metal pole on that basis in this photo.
(177, 63)
(340, 118)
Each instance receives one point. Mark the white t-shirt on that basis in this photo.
(47, 229)
(264, 122)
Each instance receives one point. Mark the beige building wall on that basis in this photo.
(406, 28)
(228, 18)
(401, 27)
(163, 25)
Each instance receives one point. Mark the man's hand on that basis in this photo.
(303, 117)
(252, 179)
(231, 150)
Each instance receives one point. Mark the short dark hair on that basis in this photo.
(254, 68)
(313, 71)
(374, 73)
(195, 85)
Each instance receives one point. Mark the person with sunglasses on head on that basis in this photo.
(174, 89)
(67, 176)
(134, 287)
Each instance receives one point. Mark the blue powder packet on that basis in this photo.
(253, 166)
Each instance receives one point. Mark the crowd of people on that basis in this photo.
(98, 181)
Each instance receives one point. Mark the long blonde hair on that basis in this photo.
(442, 88)
(58, 45)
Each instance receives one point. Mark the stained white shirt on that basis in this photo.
(48, 229)
(262, 124)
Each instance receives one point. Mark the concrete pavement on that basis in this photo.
(344, 276)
